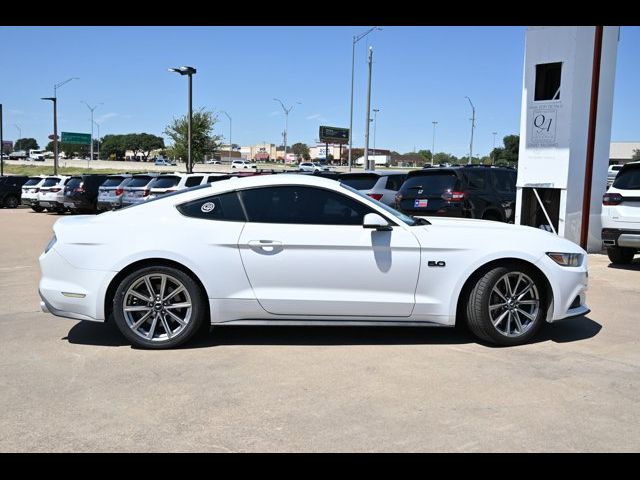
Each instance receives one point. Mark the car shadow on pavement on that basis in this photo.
(634, 265)
(107, 335)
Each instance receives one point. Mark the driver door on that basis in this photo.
(305, 252)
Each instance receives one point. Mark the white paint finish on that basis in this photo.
(560, 162)
(321, 272)
(339, 270)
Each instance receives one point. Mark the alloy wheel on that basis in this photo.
(514, 304)
(157, 307)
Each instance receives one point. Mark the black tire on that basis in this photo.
(36, 208)
(622, 255)
(194, 325)
(477, 306)
(11, 201)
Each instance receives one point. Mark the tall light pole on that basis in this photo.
(433, 144)
(286, 125)
(19, 130)
(91, 109)
(366, 134)
(189, 71)
(494, 146)
(97, 125)
(54, 99)
(473, 125)
(356, 39)
(1, 144)
(375, 123)
(230, 144)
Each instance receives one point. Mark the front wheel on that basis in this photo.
(506, 306)
(621, 255)
(158, 307)
(11, 202)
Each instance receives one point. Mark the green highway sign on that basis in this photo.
(79, 138)
(334, 134)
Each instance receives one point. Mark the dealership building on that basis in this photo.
(622, 152)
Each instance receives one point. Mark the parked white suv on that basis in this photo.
(242, 164)
(51, 194)
(312, 167)
(173, 182)
(612, 173)
(30, 191)
(621, 215)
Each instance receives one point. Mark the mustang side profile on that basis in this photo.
(300, 250)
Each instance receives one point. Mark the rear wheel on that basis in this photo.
(36, 208)
(622, 255)
(158, 307)
(506, 306)
(11, 201)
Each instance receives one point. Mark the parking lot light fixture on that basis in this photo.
(91, 109)
(473, 126)
(55, 132)
(189, 71)
(286, 125)
(230, 144)
(433, 144)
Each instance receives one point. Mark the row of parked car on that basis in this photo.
(463, 191)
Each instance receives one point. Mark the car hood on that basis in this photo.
(489, 235)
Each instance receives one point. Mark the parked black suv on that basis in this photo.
(81, 193)
(10, 190)
(474, 191)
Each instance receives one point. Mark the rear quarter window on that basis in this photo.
(360, 182)
(193, 181)
(628, 179)
(477, 179)
(223, 207)
(137, 182)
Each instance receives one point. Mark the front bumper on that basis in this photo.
(569, 286)
(618, 237)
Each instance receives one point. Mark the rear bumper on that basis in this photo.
(107, 205)
(618, 237)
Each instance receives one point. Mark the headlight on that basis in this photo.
(50, 244)
(566, 259)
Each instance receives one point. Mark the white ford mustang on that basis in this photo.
(299, 250)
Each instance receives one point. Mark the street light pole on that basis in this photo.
(54, 99)
(356, 39)
(98, 125)
(494, 146)
(19, 130)
(473, 124)
(433, 144)
(286, 125)
(230, 144)
(91, 109)
(375, 123)
(366, 135)
(1, 144)
(189, 71)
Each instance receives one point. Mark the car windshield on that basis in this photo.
(629, 179)
(360, 181)
(431, 183)
(139, 182)
(165, 182)
(411, 221)
(50, 182)
(112, 182)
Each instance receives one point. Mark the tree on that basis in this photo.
(26, 144)
(113, 147)
(301, 150)
(508, 154)
(71, 149)
(426, 154)
(636, 155)
(442, 157)
(203, 141)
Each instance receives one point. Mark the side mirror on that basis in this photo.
(373, 220)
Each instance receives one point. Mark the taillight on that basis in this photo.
(612, 199)
(375, 196)
(80, 188)
(146, 192)
(450, 196)
(119, 191)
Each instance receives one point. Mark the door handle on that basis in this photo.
(265, 246)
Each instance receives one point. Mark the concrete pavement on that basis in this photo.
(77, 386)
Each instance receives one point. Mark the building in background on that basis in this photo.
(622, 152)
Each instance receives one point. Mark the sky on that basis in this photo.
(420, 75)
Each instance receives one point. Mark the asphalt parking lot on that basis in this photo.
(77, 386)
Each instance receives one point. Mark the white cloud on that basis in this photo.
(106, 116)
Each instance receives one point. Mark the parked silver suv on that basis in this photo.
(381, 185)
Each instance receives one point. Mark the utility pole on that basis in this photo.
(433, 144)
(98, 125)
(494, 147)
(54, 99)
(91, 109)
(189, 71)
(473, 125)
(230, 144)
(1, 144)
(356, 39)
(286, 125)
(366, 135)
(375, 124)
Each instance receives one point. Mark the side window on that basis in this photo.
(193, 181)
(476, 179)
(504, 181)
(224, 207)
(302, 205)
(394, 182)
